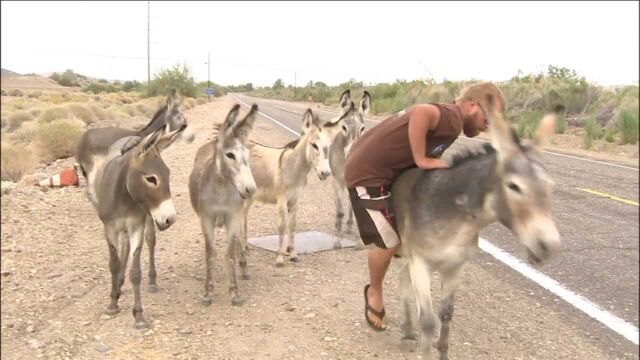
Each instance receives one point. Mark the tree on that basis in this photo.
(278, 84)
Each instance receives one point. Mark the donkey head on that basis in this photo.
(523, 188)
(231, 153)
(353, 127)
(174, 118)
(318, 143)
(148, 176)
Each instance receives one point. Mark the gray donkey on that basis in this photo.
(93, 151)
(281, 175)
(351, 129)
(131, 187)
(440, 212)
(220, 181)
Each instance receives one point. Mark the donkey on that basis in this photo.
(281, 175)
(131, 189)
(351, 129)
(220, 181)
(93, 151)
(440, 212)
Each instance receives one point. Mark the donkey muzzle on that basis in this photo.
(164, 215)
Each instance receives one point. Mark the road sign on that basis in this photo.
(209, 91)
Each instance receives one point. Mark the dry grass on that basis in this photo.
(26, 134)
(17, 118)
(82, 112)
(58, 139)
(16, 161)
(55, 113)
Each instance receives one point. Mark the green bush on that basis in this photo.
(592, 132)
(177, 78)
(628, 125)
(97, 88)
(609, 135)
(527, 123)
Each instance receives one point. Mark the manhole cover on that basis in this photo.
(306, 242)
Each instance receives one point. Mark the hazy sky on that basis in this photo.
(259, 42)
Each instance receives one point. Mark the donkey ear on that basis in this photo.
(173, 99)
(230, 121)
(243, 128)
(501, 135)
(345, 101)
(150, 141)
(545, 130)
(307, 120)
(169, 137)
(365, 103)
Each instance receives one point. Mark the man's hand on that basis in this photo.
(430, 163)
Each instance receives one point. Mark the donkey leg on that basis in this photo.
(421, 280)
(337, 198)
(359, 244)
(135, 275)
(230, 261)
(124, 258)
(292, 207)
(408, 327)
(241, 244)
(450, 281)
(282, 225)
(114, 266)
(150, 239)
(208, 229)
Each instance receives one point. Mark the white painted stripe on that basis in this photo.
(628, 330)
(267, 116)
(573, 157)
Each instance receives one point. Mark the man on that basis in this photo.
(413, 137)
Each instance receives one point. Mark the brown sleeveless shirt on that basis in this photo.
(382, 153)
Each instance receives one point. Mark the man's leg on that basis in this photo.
(379, 260)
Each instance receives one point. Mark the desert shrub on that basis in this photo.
(177, 78)
(592, 132)
(16, 119)
(58, 139)
(628, 125)
(15, 92)
(17, 160)
(54, 113)
(81, 112)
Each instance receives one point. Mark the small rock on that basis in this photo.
(7, 272)
(105, 317)
(30, 328)
(103, 348)
(86, 323)
(35, 344)
(190, 312)
(329, 339)
(185, 331)
(310, 316)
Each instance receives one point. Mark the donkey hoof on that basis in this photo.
(294, 259)
(142, 324)
(246, 276)
(206, 300)
(237, 301)
(111, 310)
(337, 245)
(411, 335)
(358, 246)
(153, 288)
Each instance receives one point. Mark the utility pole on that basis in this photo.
(208, 74)
(148, 43)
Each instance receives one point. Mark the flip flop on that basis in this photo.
(380, 314)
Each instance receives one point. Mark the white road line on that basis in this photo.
(268, 117)
(629, 331)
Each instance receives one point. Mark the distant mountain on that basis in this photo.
(6, 72)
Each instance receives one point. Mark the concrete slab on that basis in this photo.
(306, 242)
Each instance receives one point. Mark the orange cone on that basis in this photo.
(66, 177)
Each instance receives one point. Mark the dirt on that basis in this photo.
(55, 285)
(29, 82)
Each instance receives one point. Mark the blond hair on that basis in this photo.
(487, 94)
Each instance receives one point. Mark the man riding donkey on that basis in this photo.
(413, 137)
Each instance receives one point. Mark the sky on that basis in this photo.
(298, 42)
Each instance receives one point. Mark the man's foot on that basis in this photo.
(374, 317)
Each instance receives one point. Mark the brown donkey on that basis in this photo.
(440, 213)
(132, 187)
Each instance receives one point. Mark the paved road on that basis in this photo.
(600, 258)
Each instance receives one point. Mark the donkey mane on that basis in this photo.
(158, 113)
(471, 155)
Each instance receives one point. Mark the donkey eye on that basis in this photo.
(151, 180)
(344, 128)
(514, 187)
(315, 146)
(230, 156)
